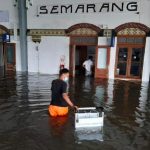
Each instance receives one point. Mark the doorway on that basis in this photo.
(81, 47)
(10, 56)
(7, 57)
(82, 53)
(1, 59)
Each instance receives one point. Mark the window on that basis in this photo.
(102, 58)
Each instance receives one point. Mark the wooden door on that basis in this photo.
(1, 59)
(72, 60)
(136, 64)
(102, 62)
(129, 61)
(122, 61)
(82, 56)
(10, 56)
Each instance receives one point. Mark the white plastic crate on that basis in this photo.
(89, 117)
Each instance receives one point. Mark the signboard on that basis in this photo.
(102, 7)
(6, 37)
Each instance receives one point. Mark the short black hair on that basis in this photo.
(91, 57)
(63, 71)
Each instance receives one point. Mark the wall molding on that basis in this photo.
(131, 31)
(3, 30)
(132, 25)
(83, 29)
(46, 32)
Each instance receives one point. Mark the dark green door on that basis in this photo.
(1, 59)
(10, 57)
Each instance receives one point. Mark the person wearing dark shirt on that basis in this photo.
(60, 99)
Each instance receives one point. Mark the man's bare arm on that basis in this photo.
(67, 99)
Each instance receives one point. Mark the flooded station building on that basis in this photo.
(66, 32)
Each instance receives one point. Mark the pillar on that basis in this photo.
(22, 13)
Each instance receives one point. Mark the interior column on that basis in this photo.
(22, 13)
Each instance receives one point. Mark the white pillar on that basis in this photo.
(112, 60)
(146, 63)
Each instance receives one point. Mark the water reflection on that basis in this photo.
(99, 96)
(88, 135)
(141, 108)
(87, 84)
(25, 123)
(110, 92)
(57, 125)
(2, 73)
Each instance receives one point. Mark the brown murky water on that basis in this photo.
(26, 125)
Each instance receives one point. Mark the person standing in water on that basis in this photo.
(60, 99)
(88, 66)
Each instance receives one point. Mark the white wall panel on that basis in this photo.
(50, 50)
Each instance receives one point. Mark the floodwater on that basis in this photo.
(26, 125)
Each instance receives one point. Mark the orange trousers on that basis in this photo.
(55, 111)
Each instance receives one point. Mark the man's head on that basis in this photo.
(91, 57)
(64, 74)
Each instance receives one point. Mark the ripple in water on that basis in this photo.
(25, 123)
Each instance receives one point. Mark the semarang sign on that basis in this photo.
(103, 7)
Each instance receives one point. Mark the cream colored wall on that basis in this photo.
(146, 63)
(63, 21)
(112, 60)
(51, 48)
(8, 5)
(47, 58)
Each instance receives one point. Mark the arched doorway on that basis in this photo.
(7, 51)
(83, 42)
(131, 39)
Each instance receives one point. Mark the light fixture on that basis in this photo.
(15, 3)
(28, 3)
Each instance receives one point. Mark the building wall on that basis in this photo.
(12, 23)
(112, 60)
(45, 57)
(8, 5)
(63, 21)
(146, 67)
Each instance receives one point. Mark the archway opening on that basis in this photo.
(131, 39)
(83, 43)
(7, 51)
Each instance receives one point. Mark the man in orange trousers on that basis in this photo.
(60, 100)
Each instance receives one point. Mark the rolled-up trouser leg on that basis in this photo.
(55, 111)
